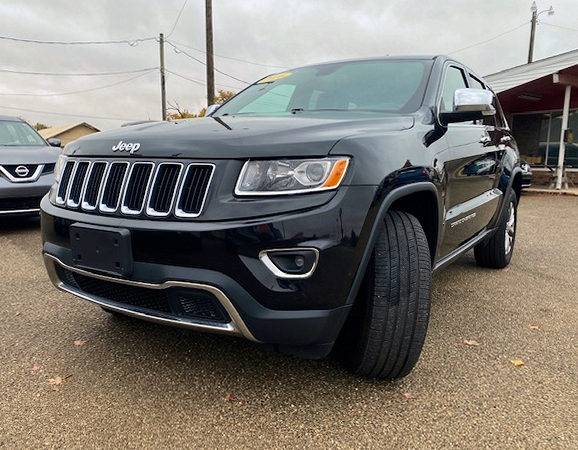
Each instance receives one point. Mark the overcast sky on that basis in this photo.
(278, 33)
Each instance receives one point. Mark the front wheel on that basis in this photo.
(496, 252)
(386, 330)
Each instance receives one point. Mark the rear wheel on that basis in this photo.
(386, 330)
(496, 252)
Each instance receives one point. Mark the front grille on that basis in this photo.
(19, 171)
(191, 304)
(136, 188)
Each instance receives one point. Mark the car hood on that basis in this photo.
(235, 137)
(28, 155)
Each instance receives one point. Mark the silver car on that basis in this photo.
(27, 165)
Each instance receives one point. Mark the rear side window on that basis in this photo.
(455, 79)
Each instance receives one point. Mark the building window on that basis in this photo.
(538, 138)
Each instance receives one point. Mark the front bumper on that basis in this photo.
(23, 198)
(222, 259)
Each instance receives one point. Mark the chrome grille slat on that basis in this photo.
(156, 189)
(194, 190)
(94, 183)
(64, 182)
(113, 186)
(137, 187)
(163, 189)
(77, 184)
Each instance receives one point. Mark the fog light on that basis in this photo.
(290, 263)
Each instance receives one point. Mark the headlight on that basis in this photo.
(290, 176)
(59, 167)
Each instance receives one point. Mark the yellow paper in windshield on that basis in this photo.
(275, 77)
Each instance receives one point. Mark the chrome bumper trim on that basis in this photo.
(236, 326)
(21, 211)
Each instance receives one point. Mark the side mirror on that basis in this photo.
(211, 109)
(53, 142)
(469, 104)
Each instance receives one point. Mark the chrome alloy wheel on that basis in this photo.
(510, 229)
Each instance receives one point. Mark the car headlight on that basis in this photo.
(59, 167)
(291, 176)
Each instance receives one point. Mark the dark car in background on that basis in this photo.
(307, 213)
(27, 164)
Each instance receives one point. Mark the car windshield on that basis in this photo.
(359, 87)
(18, 134)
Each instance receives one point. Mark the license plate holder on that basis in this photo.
(103, 249)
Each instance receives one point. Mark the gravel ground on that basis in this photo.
(129, 383)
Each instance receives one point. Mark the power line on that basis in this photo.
(179, 50)
(71, 74)
(199, 82)
(131, 42)
(51, 94)
(178, 18)
(558, 26)
(231, 58)
(85, 116)
(490, 39)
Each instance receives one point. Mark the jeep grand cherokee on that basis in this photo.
(308, 212)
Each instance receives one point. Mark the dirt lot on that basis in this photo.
(128, 383)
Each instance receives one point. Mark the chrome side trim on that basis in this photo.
(178, 211)
(29, 179)
(236, 326)
(264, 257)
(20, 211)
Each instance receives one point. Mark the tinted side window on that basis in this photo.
(455, 79)
(475, 83)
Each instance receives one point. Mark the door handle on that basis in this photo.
(485, 140)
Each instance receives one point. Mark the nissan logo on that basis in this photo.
(22, 171)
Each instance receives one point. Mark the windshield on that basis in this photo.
(18, 134)
(368, 87)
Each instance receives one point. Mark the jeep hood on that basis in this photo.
(10, 155)
(235, 137)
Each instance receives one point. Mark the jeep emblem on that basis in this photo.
(130, 147)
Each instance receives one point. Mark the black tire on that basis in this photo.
(494, 252)
(386, 330)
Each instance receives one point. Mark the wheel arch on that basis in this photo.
(403, 198)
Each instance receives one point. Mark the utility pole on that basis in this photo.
(209, 43)
(162, 70)
(534, 22)
(533, 32)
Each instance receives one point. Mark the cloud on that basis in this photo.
(277, 32)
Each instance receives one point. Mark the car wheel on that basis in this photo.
(496, 252)
(386, 330)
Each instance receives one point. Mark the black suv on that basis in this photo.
(307, 213)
